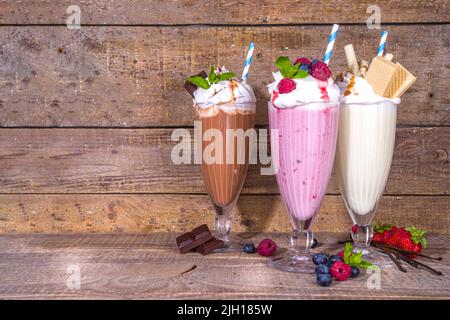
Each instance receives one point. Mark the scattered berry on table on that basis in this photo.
(249, 248)
(320, 258)
(322, 268)
(324, 280)
(267, 247)
(332, 259)
(355, 272)
(340, 271)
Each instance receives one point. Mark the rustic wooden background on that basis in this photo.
(86, 115)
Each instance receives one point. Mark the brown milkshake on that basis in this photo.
(224, 177)
(226, 108)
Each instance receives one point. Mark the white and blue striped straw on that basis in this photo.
(248, 61)
(331, 40)
(382, 45)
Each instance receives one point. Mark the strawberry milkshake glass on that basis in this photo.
(303, 119)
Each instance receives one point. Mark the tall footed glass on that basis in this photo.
(303, 143)
(363, 160)
(225, 159)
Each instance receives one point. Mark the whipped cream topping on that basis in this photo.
(307, 90)
(224, 94)
(356, 89)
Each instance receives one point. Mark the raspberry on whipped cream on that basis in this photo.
(286, 85)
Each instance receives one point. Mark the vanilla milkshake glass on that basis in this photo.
(364, 154)
(303, 126)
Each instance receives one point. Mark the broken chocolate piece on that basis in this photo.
(210, 246)
(191, 240)
(192, 87)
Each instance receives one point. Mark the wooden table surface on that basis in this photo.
(149, 267)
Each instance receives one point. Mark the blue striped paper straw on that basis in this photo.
(331, 40)
(382, 44)
(248, 61)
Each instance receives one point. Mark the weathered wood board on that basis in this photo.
(139, 160)
(86, 115)
(149, 267)
(146, 213)
(264, 12)
(133, 76)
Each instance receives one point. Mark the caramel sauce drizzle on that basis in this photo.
(350, 86)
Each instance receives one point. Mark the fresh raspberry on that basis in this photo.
(340, 254)
(340, 271)
(267, 247)
(302, 60)
(286, 85)
(320, 71)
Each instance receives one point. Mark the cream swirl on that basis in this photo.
(356, 89)
(307, 90)
(225, 93)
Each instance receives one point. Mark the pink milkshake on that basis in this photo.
(307, 142)
(303, 119)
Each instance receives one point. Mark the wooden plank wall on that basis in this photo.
(86, 115)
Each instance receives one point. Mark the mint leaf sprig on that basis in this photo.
(355, 259)
(288, 70)
(212, 78)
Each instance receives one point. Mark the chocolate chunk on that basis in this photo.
(192, 87)
(210, 246)
(191, 240)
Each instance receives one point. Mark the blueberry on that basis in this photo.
(322, 269)
(320, 258)
(314, 61)
(315, 243)
(355, 272)
(324, 280)
(305, 67)
(249, 248)
(333, 259)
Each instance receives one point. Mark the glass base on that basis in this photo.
(293, 262)
(232, 244)
(374, 256)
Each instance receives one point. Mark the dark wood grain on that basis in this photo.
(264, 12)
(133, 76)
(145, 213)
(139, 160)
(149, 267)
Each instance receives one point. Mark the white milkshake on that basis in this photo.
(365, 146)
(370, 94)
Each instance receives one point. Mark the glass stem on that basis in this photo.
(223, 222)
(302, 241)
(362, 235)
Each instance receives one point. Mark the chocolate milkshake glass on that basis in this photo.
(303, 119)
(227, 114)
